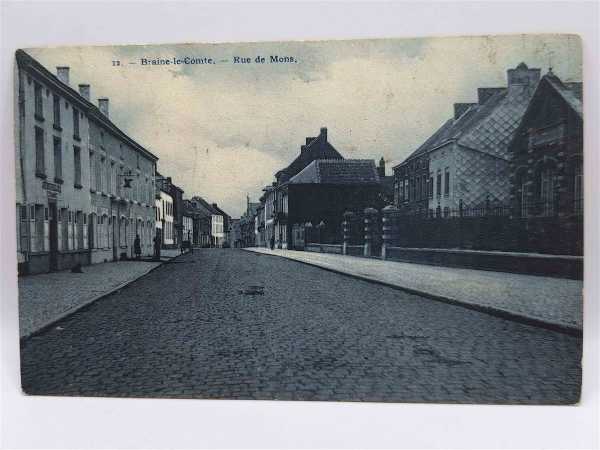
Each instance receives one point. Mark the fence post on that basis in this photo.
(347, 224)
(370, 217)
(389, 229)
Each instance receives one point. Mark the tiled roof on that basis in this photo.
(338, 171)
(487, 127)
(317, 148)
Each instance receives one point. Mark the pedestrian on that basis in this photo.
(137, 248)
(272, 242)
(157, 242)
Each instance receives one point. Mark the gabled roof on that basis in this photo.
(219, 211)
(316, 148)
(338, 172)
(487, 127)
(572, 93)
(202, 206)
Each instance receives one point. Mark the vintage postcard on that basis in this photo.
(392, 220)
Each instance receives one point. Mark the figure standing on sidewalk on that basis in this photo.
(157, 242)
(137, 248)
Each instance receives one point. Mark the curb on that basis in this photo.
(49, 323)
(490, 310)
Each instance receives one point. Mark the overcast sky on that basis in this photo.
(223, 130)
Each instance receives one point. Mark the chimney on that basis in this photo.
(302, 148)
(523, 76)
(323, 134)
(84, 91)
(461, 108)
(483, 94)
(381, 168)
(62, 72)
(103, 106)
(308, 139)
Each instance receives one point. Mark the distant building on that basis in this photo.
(259, 226)
(166, 185)
(170, 197)
(210, 223)
(236, 233)
(467, 158)
(188, 226)
(247, 224)
(164, 218)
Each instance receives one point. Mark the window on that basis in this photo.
(39, 105)
(111, 178)
(57, 160)
(446, 182)
(547, 185)
(39, 228)
(92, 173)
(430, 189)
(40, 162)
(77, 165)
(56, 108)
(524, 199)
(439, 183)
(405, 196)
(418, 187)
(76, 124)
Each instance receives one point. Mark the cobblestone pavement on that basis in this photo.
(556, 301)
(46, 296)
(199, 327)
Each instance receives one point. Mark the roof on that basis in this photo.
(487, 127)
(202, 206)
(338, 172)
(316, 148)
(572, 93)
(26, 60)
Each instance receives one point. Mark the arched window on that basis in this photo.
(548, 190)
(522, 192)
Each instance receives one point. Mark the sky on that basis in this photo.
(222, 130)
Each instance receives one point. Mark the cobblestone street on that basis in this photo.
(201, 327)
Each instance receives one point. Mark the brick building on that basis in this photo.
(318, 196)
(547, 166)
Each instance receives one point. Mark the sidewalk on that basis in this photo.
(542, 300)
(47, 297)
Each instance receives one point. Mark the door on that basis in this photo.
(115, 237)
(53, 235)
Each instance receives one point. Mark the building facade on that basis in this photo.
(318, 197)
(467, 159)
(187, 221)
(122, 190)
(52, 180)
(84, 188)
(547, 167)
(164, 219)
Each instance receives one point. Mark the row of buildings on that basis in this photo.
(310, 195)
(84, 188)
(516, 150)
